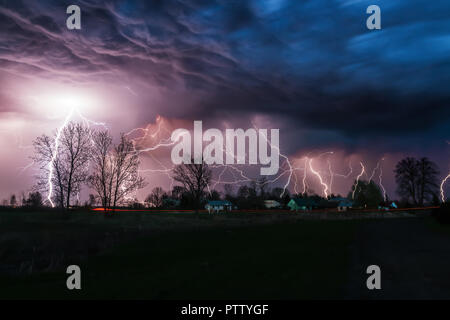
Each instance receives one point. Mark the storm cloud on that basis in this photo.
(312, 67)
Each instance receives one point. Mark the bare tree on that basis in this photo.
(76, 144)
(126, 179)
(416, 179)
(155, 198)
(101, 179)
(194, 178)
(177, 192)
(115, 169)
(64, 161)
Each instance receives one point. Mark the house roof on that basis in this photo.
(271, 201)
(220, 203)
(345, 203)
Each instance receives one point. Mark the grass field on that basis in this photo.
(178, 256)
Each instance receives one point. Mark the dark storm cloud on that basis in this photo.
(311, 64)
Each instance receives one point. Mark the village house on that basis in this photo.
(272, 204)
(219, 206)
(343, 204)
(303, 204)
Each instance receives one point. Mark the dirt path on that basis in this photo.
(414, 260)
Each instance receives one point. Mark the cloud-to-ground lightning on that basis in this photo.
(325, 186)
(442, 187)
(72, 111)
(54, 154)
(380, 178)
(357, 179)
(374, 171)
(304, 175)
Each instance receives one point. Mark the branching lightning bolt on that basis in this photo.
(325, 186)
(54, 154)
(357, 179)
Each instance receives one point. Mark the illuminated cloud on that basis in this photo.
(310, 68)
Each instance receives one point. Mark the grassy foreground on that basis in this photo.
(140, 256)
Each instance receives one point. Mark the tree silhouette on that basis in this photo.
(417, 180)
(194, 178)
(64, 161)
(101, 179)
(367, 194)
(13, 201)
(155, 198)
(126, 178)
(34, 200)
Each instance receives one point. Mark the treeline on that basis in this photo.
(33, 200)
(417, 185)
(249, 196)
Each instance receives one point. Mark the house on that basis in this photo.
(301, 204)
(219, 206)
(343, 204)
(272, 204)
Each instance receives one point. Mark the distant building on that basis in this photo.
(272, 204)
(219, 206)
(301, 204)
(343, 204)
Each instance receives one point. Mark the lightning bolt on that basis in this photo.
(349, 172)
(374, 171)
(325, 186)
(443, 183)
(357, 179)
(442, 187)
(287, 170)
(59, 131)
(304, 175)
(54, 154)
(24, 168)
(380, 179)
(331, 174)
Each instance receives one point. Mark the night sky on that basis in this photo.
(310, 68)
